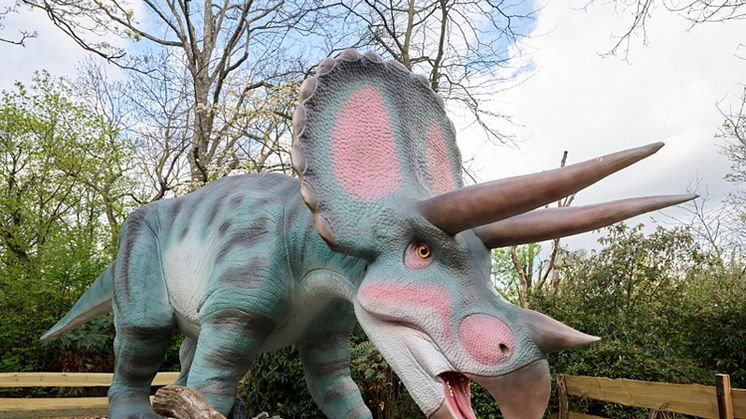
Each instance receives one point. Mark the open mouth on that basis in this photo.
(458, 394)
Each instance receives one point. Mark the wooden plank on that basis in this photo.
(71, 379)
(165, 378)
(689, 399)
(54, 407)
(578, 415)
(739, 402)
(70, 406)
(725, 402)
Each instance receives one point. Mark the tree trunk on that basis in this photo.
(183, 402)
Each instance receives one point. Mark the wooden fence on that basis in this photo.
(65, 406)
(719, 401)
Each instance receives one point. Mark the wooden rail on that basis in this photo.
(66, 406)
(719, 401)
(71, 379)
(690, 399)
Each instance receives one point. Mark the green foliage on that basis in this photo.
(60, 166)
(276, 384)
(506, 278)
(659, 304)
(714, 324)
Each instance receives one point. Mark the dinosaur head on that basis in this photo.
(434, 315)
(381, 172)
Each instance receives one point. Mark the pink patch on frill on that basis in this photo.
(439, 172)
(408, 299)
(363, 150)
(486, 339)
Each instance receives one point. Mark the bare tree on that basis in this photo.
(462, 45)
(733, 135)
(150, 116)
(694, 11)
(23, 35)
(240, 56)
(243, 46)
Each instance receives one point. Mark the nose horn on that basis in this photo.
(552, 336)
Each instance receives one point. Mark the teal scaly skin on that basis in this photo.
(379, 229)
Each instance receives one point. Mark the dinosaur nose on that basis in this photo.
(486, 339)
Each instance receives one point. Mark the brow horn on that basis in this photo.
(551, 223)
(484, 203)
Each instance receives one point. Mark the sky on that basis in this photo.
(574, 99)
(570, 99)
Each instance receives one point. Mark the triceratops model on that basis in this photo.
(392, 240)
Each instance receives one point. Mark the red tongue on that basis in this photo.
(458, 394)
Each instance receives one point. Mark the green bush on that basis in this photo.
(660, 305)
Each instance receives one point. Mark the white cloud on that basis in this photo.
(590, 106)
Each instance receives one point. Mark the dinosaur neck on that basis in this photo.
(316, 267)
(326, 284)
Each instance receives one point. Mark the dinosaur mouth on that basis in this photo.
(457, 394)
(519, 394)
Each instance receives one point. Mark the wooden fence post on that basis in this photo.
(725, 401)
(564, 406)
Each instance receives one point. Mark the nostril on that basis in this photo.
(486, 339)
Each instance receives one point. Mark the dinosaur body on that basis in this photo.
(241, 252)
(377, 229)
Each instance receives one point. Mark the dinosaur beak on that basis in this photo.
(521, 394)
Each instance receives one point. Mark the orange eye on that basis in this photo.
(423, 251)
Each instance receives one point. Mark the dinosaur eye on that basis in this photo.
(423, 250)
(418, 255)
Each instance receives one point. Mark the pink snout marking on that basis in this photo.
(426, 305)
(486, 339)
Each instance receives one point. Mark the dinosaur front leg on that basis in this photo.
(143, 318)
(327, 367)
(326, 361)
(139, 352)
(229, 340)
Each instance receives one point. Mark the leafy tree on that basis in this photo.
(61, 168)
(514, 269)
(713, 324)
